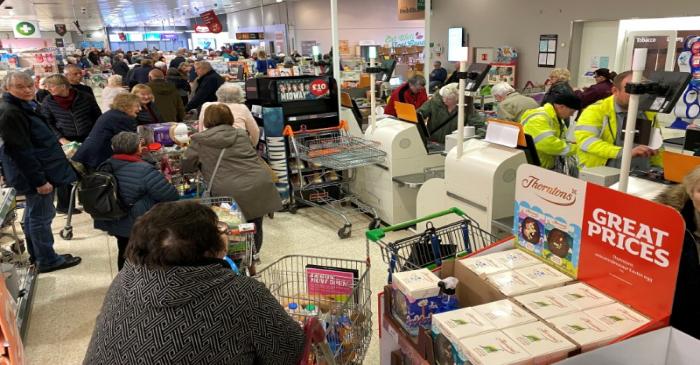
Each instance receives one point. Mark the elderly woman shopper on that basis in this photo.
(148, 114)
(120, 118)
(233, 97)
(177, 302)
(140, 185)
(114, 87)
(559, 84)
(441, 113)
(240, 172)
(600, 90)
(511, 104)
(179, 79)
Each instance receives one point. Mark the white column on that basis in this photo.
(426, 49)
(460, 111)
(336, 43)
(373, 96)
(638, 63)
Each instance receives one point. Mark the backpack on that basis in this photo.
(99, 193)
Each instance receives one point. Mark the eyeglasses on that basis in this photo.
(222, 227)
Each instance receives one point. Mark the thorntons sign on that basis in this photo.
(551, 194)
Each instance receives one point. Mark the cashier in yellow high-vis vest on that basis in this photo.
(545, 125)
(599, 131)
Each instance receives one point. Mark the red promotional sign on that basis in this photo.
(211, 20)
(319, 87)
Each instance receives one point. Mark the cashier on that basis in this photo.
(599, 131)
(441, 113)
(548, 130)
(411, 92)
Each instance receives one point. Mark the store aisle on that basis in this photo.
(67, 302)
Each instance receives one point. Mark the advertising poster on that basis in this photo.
(301, 89)
(331, 283)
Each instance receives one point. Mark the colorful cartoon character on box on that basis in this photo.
(688, 106)
(530, 230)
(559, 243)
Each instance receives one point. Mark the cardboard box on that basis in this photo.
(417, 284)
(461, 323)
(512, 283)
(514, 259)
(545, 304)
(504, 314)
(582, 296)
(483, 265)
(415, 299)
(618, 317)
(544, 344)
(544, 276)
(584, 330)
(493, 348)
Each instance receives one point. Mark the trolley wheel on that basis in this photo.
(292, 208)
(374, 224)
(67, 234)
(271, 215)
(345, 232)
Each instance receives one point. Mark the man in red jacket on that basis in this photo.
(411, 92)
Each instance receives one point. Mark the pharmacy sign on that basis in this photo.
(26, 29)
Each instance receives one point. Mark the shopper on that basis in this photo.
(233, 97)
(241, 174)
(114, 87)
(121, 117)
(511, 104)
(179, 79)
(600, 90)
(33, 163)
(411, 92)
(558, 84)
(208, 81)
(548, 130)
(179, 58)
(263, 63)
(437, 76)
(441, 113)
(166, 97)
(176, 302)
(140, 75)
(74, 74)
(42, 92)
(119, 66)
(599, 131)
(149, 113)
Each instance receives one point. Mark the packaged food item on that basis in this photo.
(482, 265)
(514, 259)
(512, 283)
(584, 330)
(544, 276)
(504, 314)
(618, 317)
(416, 297)
(460, 323)
(582, 296)
(493, 348)
(544, 344)
(546, 304)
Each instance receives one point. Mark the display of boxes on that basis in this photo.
(544, 276)
(618, 317)
(582, 296)
(482, 265)
(493, 348)
(504, 314)
(415, 298)
(461, 323)
(514, 259)
(544, 344)
(546, 304)
(584, 330)
(512, 283)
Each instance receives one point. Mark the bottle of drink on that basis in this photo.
(311, 310)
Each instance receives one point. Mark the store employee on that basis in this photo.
(599, 131)
(411, 92)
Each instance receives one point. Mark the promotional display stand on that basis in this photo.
(626, 247)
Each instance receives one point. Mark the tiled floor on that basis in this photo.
(67, 302)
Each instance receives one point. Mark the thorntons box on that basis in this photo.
(512, 283)
(482, 265)
(416, 298)
(504, 314)
(543, 343)
(461, 323)
(618, 317)
(546, 304)
(585, 330)
(513, 259)
(493, 348)
(544, 276)
(582, 296)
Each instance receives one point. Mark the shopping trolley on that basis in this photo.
(329, 156)
(335, 292)
(430, 248)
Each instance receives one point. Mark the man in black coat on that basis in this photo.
(140, 75)
(120, 67)
(179, 58)
(33, 163)
(208, 81)
(74, 74)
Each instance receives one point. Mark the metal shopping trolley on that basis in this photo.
(335, 292)
(325, 159)
(435, 244)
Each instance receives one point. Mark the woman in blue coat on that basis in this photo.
(140, 185)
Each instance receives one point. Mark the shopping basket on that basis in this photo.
(435, 244)
(334, 291)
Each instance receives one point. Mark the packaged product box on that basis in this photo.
(512, 283)
(618, 317)
(513, 259)
(546, 304)
(544, 276)
(461, 323)
(582, 296)
(415, 299)
(482, 265)
(543, 343)
(493, 348)
(584, 330)
(504, 314)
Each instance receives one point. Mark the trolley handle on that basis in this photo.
(375, 235)
(288, 131)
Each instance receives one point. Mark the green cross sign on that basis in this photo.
(25, 28)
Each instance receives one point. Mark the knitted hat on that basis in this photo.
(569, 100)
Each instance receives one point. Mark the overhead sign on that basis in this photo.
(249, 36)
(26, 29)
(60, 29)
(411, 9)
(201, 29)
(59, 43)
(211, 20)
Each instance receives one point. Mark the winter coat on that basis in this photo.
(141, 187)
(684, 315)
(206, 90)
(403, 94)
(140, 75)
(548, 133)
(75, 123)
(181, 84)
(557, 88)
(514, 105)
(121, 69)
(203, 314)
(241, 174)
(441, 122)
(168, 101)
(242, 118)
(30, 153)
(97, 148)
(145, 117)
(594, 93)
(176, 62)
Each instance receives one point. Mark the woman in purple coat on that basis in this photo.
(601, 90)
